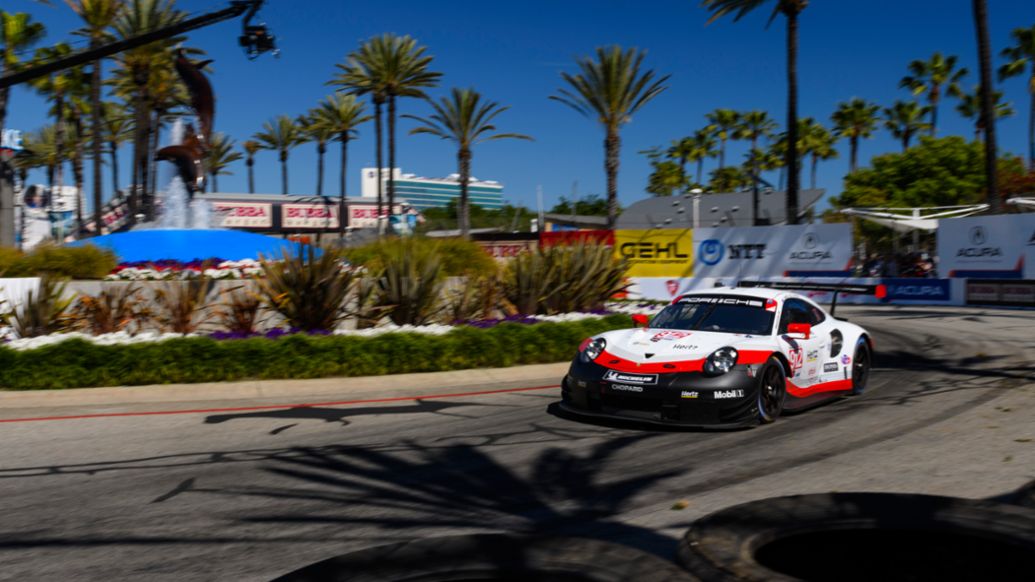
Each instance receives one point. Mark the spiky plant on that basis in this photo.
(116, 308)
(44, 311)
(410, 282)
(239, 310)
(308, 289)
(183, 305)
(529, 281)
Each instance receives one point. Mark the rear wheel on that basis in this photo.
(861, 366)
(772, 391)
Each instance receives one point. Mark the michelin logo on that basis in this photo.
(631, 378)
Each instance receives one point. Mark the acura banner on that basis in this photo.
(987, 247)
(754, 252)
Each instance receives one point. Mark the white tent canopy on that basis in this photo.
(913, 219)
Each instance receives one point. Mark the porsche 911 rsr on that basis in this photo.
(724, 357)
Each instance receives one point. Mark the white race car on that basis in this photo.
(722, 358)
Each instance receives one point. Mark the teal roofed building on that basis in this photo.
(422, 193)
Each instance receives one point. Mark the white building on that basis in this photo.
(423, 193)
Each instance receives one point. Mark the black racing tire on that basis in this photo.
(772, 391)
(862, 536)
(862, 361)
(486, 557)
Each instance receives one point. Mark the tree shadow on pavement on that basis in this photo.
(462, 487)
(331, 414)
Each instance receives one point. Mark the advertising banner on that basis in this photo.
(243, 214)
(754, 252)
(314, 216)
(902, 291)
(365, 215)
(658, 252)
(991, 247)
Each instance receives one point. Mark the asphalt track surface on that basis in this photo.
(252, 494)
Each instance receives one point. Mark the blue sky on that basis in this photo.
(513, 52)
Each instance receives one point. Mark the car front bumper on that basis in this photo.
(690, 399)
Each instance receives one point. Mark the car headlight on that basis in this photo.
(721, 361)
(592, 349)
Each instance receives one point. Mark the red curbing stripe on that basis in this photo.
(276, 406)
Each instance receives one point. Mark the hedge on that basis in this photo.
(78, 363)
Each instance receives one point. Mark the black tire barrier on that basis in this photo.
(863, 536)
(486, 557)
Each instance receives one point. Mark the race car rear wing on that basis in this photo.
(878, 291)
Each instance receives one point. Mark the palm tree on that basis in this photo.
(98, 15)
(219, 157)
(703, 148)
(666, 178)
(610, 90)
(387, 67)
(790, 9)
(43, 145)
(342, 114)
(17, 33)
(931, 76)
(134, 79)
(250, 147)
(855, 119)
(905, 119)
(467, 120)
(725, 125)
(970, 107)
(280, 135)
(818, 142)
(755, 125)
(56, 88)
(1020, 55)
(118, 127)
(987, 103)
(318, 133)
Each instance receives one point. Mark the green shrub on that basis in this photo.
(9, 258)
(458, 257)
(85, 262)
(79, 364)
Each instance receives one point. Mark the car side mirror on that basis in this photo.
(640, 320)
(800, 329)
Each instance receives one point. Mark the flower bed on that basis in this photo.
(85, 361)
(213, 268)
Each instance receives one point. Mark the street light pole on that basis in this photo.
(697, 206)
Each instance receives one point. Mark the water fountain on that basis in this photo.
(183, 230)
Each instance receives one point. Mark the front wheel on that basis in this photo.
(861, 367)
(772, 391)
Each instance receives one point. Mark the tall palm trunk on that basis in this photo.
(612, 143)
(4, 96)
(59, 146)
(722, 154)
(935, 98)
(98, 138)
(138, 197)
(321, 149)
(391, 158)
(215, 183)
(77, 176)
(250, 162)
(812, 177)
(114, 168)
(854, 156)
(283, 172)
(906, 136)
(987, 103)
(463, 159)
(343, 207)
(380, 147)
(152, 149)
(700, 169)
(793, 177)
(1031, 122)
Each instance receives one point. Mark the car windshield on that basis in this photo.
(720, 313)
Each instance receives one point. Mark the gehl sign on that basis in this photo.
(649, 250)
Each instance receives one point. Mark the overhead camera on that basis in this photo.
(257, 39)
